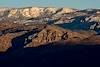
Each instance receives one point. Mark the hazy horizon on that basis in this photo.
(78, 4)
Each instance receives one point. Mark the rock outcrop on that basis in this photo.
(34, 11)
(59, 15)
(48, 15)
(15, 35)
(18, 24)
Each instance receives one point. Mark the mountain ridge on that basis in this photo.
(35, 26)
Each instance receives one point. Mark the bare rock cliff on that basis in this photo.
(34, 11)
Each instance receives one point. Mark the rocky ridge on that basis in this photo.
(22, 36)
(49, 15)
(61, 15)
(34, 26)
(34, 11)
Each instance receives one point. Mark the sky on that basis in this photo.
(79, 4)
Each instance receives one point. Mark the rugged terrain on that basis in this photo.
(35, 26)
(16, 36)
(49, 37)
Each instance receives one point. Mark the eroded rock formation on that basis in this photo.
(58, 25)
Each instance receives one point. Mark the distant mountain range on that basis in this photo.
(50, 15)
(35, 26)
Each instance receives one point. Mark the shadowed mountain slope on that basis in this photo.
(22, 36)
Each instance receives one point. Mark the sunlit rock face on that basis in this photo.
(14, 35)
(13, 13)
(53, 33)
(52, 25)
(26, 12)
(34, 11)
(44, 14)
(48, 14)
(51, 10)
(5, 41)
(67, 10)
